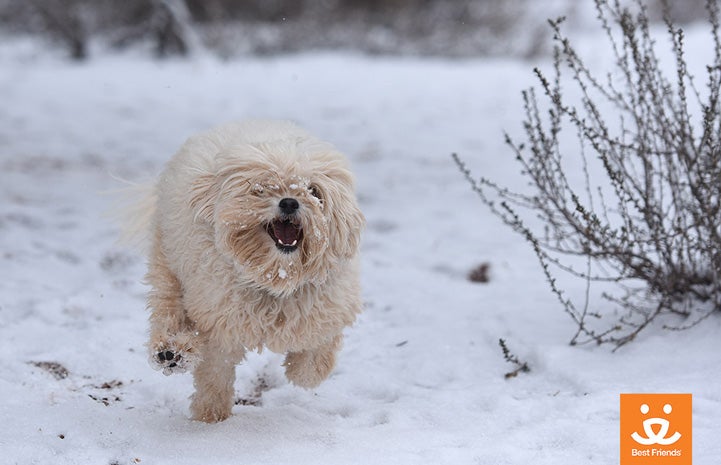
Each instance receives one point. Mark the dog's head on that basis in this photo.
(284, 211)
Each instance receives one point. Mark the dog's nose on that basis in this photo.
(288, 206)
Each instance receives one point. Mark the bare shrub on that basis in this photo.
(634, 206)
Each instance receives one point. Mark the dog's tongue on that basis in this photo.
(285, 231)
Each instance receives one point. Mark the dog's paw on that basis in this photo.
(210, 411)
(308, 369)
(169, 362)
(174, 356)
(172, 361)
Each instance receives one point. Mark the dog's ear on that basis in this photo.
(203, 197)
(353, 222)
(345, 218)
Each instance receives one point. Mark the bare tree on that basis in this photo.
(166, 24)
(63, 20)
(170, 25)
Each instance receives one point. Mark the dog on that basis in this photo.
(254, 237)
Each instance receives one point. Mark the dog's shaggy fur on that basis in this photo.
(255, 232)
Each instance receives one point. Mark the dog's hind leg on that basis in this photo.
(172, 336)
(308, 368)
(213, 379)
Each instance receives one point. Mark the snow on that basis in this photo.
(421, 376)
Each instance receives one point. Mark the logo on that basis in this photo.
(656, 438)
(656, 429)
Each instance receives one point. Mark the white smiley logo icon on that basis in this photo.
(656, 437)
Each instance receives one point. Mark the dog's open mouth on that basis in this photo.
(286, 234)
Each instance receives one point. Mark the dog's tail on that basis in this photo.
(133, 210)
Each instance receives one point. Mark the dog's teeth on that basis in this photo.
(280, 242)
(294, 242)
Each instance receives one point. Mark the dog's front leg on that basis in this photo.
(173, 339)
(213, 379)
(308, 368)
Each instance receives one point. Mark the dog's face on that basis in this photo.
(286, 215)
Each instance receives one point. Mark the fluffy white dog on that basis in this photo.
(255, 232)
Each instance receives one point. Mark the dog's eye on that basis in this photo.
(315, 192)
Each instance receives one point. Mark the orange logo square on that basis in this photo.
(656, 429)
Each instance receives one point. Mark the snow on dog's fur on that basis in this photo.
(255, 232)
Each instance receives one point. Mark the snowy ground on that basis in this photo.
(421, 377)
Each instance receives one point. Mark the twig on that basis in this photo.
(521, 367)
